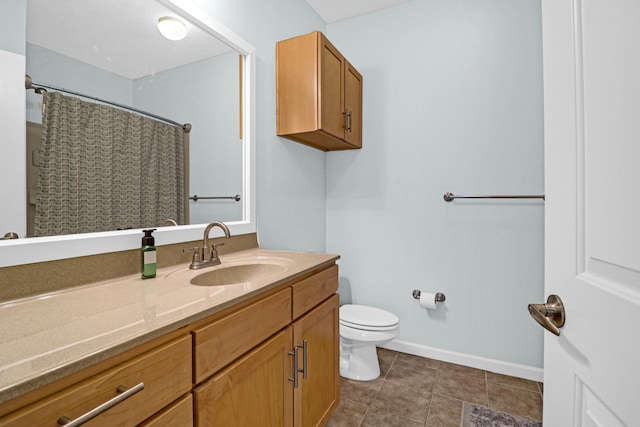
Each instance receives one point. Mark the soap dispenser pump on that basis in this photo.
(148, 255)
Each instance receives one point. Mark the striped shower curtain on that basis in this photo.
(102, 168)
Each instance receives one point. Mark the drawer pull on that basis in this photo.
(294, 378)
(296, 365)
(304, 359)
(125, 394)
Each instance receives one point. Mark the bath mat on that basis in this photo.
(479, 416)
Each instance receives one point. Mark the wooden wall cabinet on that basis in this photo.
(318, 94)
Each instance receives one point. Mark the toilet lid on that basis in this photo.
(365, 316)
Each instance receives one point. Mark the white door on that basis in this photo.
(591, 51)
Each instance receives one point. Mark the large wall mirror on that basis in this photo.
(113, 51)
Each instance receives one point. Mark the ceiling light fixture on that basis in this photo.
(172, 28)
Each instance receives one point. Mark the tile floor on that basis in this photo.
(416, 391)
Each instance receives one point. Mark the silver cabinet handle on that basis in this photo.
(350, 117)
(294, 378)
(551, 315)
(296, 365)
(125, 394)
(304, 359)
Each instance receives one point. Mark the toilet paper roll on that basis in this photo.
(428, 300)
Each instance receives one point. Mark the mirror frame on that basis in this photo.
(41, 249)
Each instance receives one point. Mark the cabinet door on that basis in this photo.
(254, 391)
(353, 106)
(331, 89)
(317, 396)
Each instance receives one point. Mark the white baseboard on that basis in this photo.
(492, 365)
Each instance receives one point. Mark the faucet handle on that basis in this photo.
(196, 254)
(214, 250)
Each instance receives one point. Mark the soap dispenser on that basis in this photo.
(148, 255)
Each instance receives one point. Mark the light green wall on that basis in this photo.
(48, 67)
(452, 102)
(291, 186)
(13, 25)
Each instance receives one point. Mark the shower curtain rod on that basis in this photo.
(30, 84)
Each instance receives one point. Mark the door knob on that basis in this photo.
(550, 315)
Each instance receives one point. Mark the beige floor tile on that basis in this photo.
(418, 391)
(405, 401)
(348, 414)
(360, 391)
(512, 381)
(464, 370)
(416, 362)
(379, 418)
(462, 387)
(444, 412)
(385, 358)
(515, 401)
(412, 375)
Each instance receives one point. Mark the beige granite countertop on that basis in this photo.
(46, 337)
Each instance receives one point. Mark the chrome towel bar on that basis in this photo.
(448, 197)
(195, 197)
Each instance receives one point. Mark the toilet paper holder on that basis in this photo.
(439, 295)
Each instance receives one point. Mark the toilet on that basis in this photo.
(362, 328)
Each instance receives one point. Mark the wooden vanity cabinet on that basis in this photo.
(318, 393)
(224, 340)
(235, 368)
(318, 94)
(165, 372)
(258, 388)
(179, 414)
(315, 314)
(253, 391)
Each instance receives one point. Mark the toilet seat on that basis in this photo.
(367, 318)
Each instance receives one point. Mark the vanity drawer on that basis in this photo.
(165, 372)
(312, 291)
(221, 342)
(179, 414)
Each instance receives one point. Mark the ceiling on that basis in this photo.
(120, 35)
(337, 10)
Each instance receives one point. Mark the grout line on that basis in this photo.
(429, 408)
(486, 388)
(364, 416)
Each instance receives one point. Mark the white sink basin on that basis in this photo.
(242, 273)
(252, 272)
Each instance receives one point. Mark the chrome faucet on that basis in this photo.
(200, 256)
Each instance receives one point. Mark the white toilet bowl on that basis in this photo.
(362, 328)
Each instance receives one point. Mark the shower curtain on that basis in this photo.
(102, 168)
